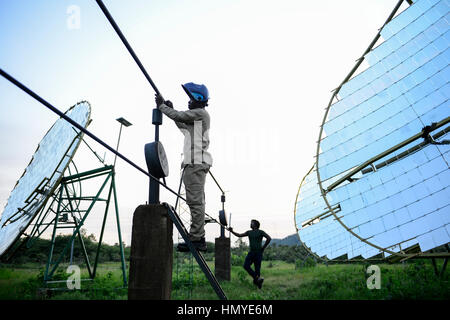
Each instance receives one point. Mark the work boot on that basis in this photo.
(200, 245)
(259, 282)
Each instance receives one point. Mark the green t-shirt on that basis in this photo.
(255, 238)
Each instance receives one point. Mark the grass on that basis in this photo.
(25, 282)
(415, 280)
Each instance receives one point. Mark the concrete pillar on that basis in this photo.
(151, 254)
(222, 258)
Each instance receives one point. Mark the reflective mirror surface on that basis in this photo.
(401, 199)
(42, 176)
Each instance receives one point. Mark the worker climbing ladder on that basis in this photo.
(158, 167)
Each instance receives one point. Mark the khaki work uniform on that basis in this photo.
(194, 124)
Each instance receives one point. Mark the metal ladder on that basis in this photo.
(198, 257)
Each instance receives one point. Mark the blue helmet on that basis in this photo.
(197, 92)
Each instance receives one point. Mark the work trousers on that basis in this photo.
(256, 259)
(194, 183)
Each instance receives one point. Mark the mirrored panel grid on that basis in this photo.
(318, 229)
(42, 175)
(400, 197)
(408, 201)
(410, 92)
(400, 205)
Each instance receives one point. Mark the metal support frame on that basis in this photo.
(66, 204)
(405, 153)
(222, 224)
(438, 273)
(321, 216)
(123, 122)
(383, 154)
(153, 190)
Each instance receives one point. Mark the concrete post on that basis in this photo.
(151, 254)
(222, 258)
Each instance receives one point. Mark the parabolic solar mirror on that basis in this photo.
(318, 230)
(42, 175)
(383, 156)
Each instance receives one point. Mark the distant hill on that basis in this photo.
(291, 240)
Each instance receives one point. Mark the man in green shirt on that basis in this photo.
(254, 256)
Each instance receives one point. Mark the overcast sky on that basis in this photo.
(269, 66)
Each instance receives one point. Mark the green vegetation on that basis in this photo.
(415, 280)
(288, 273)
(39, 250)
(25, 282)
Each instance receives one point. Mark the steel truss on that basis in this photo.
(70, 215)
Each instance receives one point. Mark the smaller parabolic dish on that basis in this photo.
(42, 175)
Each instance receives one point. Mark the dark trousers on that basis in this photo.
(255, 258)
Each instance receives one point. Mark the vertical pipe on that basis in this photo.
(118, 141)
(53, 236)
(229, 223)
(156, 132)
(102, 231)
(80, 238)
(153, 196)
(156, 121)
(71, 253)
(122, 256)
(179, 189)
(222, 228)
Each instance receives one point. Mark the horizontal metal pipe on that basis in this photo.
(127, 45)
(406, 152)
(84, 130)
(87, 173)
(382, 155)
